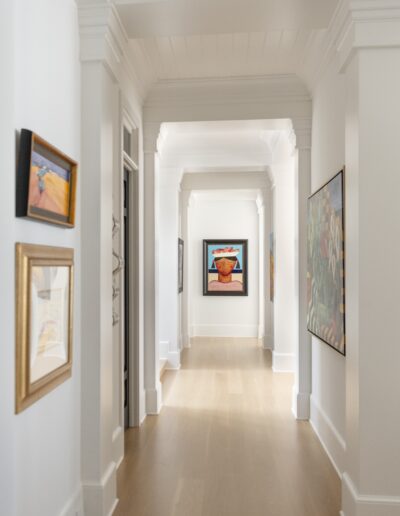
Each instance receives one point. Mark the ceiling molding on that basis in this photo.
(356, 25)
(228, 90)
(103, 39)
(225, 181)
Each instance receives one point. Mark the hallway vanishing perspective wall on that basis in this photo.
(223, 218)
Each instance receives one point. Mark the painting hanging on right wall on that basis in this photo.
(326, 267)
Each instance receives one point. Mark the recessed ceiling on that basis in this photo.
(189, 39)
(200, 17)
(224, 146)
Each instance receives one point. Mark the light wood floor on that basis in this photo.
(226, 443)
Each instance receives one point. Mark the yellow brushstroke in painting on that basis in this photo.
(57, 189)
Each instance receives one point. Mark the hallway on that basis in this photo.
(226, 443)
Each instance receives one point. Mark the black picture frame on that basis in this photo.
(243, 267)
(181, 249)
(45, 170)
(340, 296)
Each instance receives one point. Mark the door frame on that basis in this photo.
(127, 163)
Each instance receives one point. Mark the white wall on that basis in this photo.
(285, 337)
(328, 367)
(169, 298)
(40, 90)
(223, 316)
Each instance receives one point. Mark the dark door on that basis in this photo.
(126, 297)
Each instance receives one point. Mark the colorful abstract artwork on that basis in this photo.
(271, 267)
(48, 186)
(325, 277)
(180, 264)
(46, 182)
(225, 267)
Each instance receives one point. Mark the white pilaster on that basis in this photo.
(185, 200)
(102, 44)
(151, 356)
(302, 386)
(169, 298)
(368, 42)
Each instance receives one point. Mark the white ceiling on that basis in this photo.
(231, 146)
(185, 39)
(199, 17)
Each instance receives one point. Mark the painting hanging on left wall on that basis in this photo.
(46, 182)
(44, 309)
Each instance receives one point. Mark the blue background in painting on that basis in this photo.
(221, 246)
(40, 161)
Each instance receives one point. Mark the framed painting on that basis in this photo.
(180, 264)
(44, 309)
(225, 268)
(271, 267)
(46, 182)
(326, 265)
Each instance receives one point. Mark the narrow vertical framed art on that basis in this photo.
(44, 320)
(326, 264)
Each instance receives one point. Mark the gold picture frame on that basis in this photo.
(44, 320)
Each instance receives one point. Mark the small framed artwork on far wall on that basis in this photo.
(225, 268)
(46, 182)
(180, 265)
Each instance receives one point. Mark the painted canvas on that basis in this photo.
(271, 267)
(49, 320)
(46, 182)
(48, 186)
(326, 272)
(180, 265)
(225, 267)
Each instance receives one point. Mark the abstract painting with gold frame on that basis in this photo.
(44, 310)
(46, 182)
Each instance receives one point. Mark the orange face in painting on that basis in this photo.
(225, 266)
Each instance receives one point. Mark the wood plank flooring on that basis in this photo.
(226, 443)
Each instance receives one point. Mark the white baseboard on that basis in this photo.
(74, 506)
(99, 499)
(186, 341)
(173, 360)
(300, 404)
(118, 445)
(142, 406)
(154, 400)
(356, 504)
(225, 330)
(163, 349)
(331, 440)
(172, 356)
(282, 362)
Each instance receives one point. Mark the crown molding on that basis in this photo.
(369, 24)
(355, 25)
(251, 90)
(103, 39)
